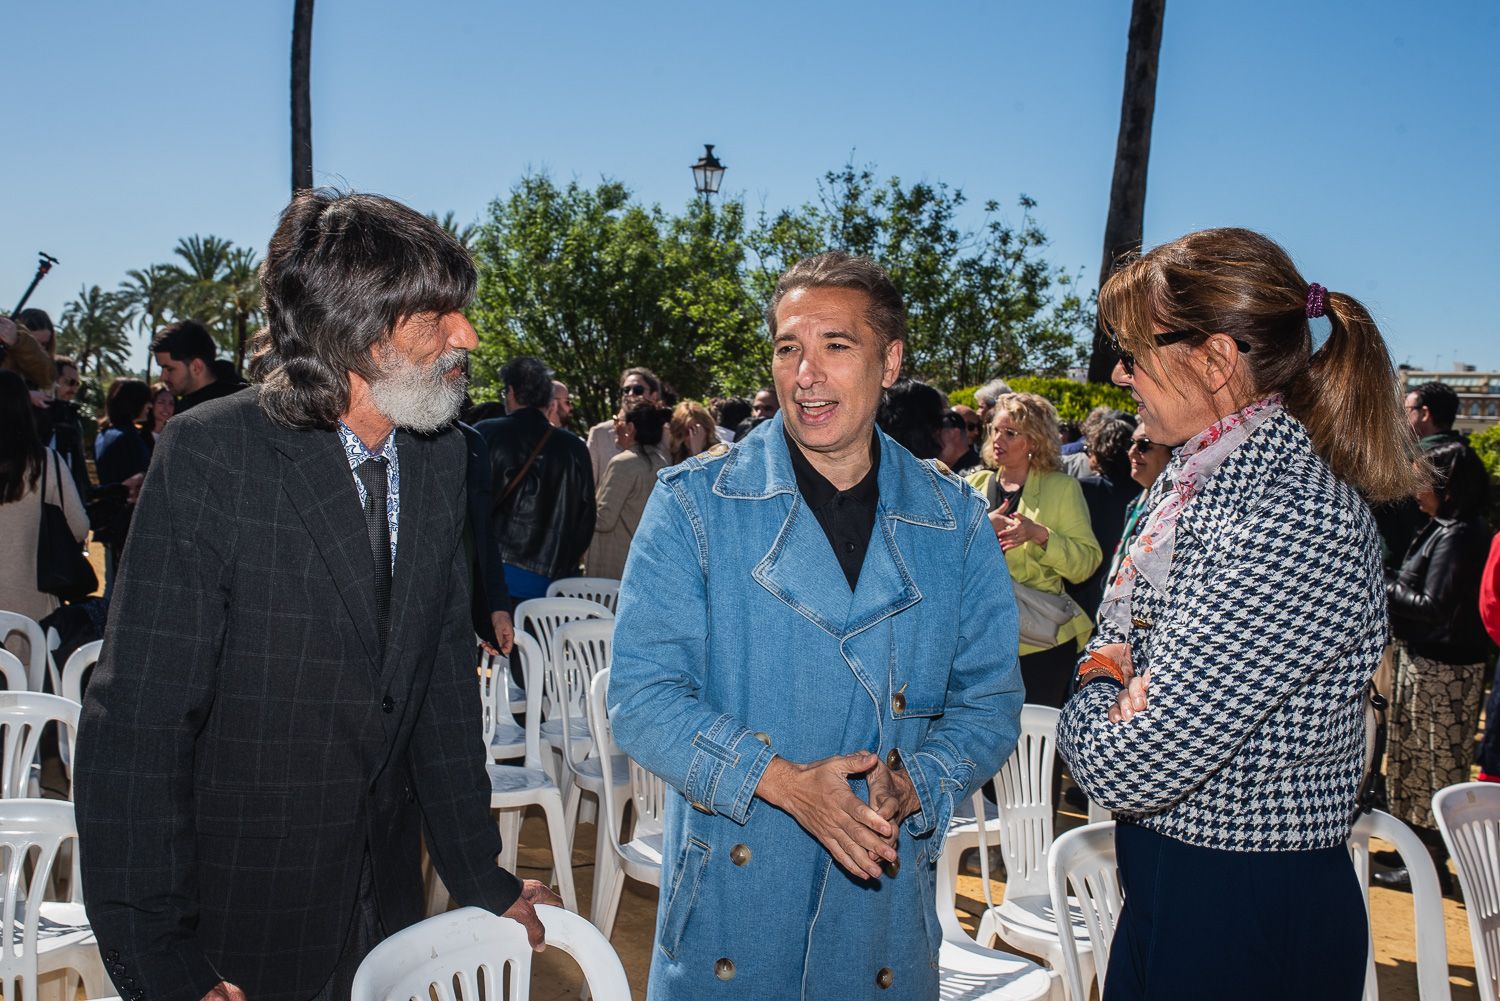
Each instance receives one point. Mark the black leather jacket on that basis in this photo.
(547, 522)
(1434, 597)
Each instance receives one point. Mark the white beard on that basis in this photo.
(416, 397)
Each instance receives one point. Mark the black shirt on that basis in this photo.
(213, 391)
(847, 516)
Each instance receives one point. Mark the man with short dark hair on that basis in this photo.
(286, 700)
(1431, 409)
(185, 352)
(543, 514)
(816, 649)
(764, 404)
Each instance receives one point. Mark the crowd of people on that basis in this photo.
(1238, 539)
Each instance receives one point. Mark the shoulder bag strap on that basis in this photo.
(530, 459)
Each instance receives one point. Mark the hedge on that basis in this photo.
(1073, 400)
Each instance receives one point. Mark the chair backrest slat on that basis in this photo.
(1468, 815)
(604, 590)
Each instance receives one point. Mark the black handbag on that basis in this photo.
(61, 567)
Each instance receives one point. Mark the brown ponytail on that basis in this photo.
(1240, 283)
(1350, 401)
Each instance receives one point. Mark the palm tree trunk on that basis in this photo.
(239, 342)
(1125, 225)
(302, 19)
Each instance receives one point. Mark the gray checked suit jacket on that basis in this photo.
(244, 743)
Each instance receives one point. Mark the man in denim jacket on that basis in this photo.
(815, 619)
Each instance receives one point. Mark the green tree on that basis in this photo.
(201, 293)
(979, 301)
(592, 283)
(94, 333)
(242, 298)
(145, 295)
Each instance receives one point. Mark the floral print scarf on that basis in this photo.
(1192, 466)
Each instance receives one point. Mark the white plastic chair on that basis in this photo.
(1468, 815)
(469, 953)
(967, 971)
(503, 735)
(515, 787)
(1022, 819)
(23, 716)
(36, 642)
(542, 617)
(1085, 857)
(13, 671)
(1426, 900)
(41, 938)
(639, 858)
(584, 649)
(603, 590)
(77, 666)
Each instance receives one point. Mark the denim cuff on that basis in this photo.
(728, 762)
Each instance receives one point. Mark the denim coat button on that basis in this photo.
(884, 978)
(724, 969)
(892, 869)
(893, 760)
(764, 738)
(898, 702)
(739, 854)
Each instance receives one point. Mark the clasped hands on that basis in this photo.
(1015, 530)
(1132, 698)
(859, 835)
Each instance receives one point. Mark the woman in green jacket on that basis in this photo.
(1040, 517)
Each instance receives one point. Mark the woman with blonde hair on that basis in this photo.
(1220, 713)
(691, 430)
(1040, 517)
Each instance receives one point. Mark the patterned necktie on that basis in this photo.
(372, 474)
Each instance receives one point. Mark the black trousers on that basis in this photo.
(1046, 674)
(1206, 923)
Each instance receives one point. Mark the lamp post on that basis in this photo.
(708, 172)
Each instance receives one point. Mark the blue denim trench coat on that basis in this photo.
(738, 639)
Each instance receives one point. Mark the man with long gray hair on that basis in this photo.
(286, 696)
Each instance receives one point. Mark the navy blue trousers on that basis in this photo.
(1206, 923)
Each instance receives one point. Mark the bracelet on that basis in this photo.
(1097, 664)
(1096, 674)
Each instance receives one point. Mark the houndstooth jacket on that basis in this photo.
(1259, 651)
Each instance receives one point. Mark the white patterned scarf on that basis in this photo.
(1192, 466)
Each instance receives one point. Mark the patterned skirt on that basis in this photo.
(1430, 734)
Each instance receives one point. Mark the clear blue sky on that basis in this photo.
(1363, 136)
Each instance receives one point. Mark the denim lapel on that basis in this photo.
(801, 570)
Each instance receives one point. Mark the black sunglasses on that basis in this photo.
(634, 389)
(1141, 445)
(1127, 359)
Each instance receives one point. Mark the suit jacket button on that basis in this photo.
(114, 956)
(739, 854)
(1140, 623)
(884, 978)
(387, 705)
(898, 703)
(724, 969)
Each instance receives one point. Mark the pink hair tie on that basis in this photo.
(1317, 301)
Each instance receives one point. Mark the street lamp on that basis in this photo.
(708, 172)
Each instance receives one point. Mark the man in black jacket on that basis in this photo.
(286, 696)
(543, 482)
(186, 352)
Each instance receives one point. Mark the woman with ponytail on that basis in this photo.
(1220, 707)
